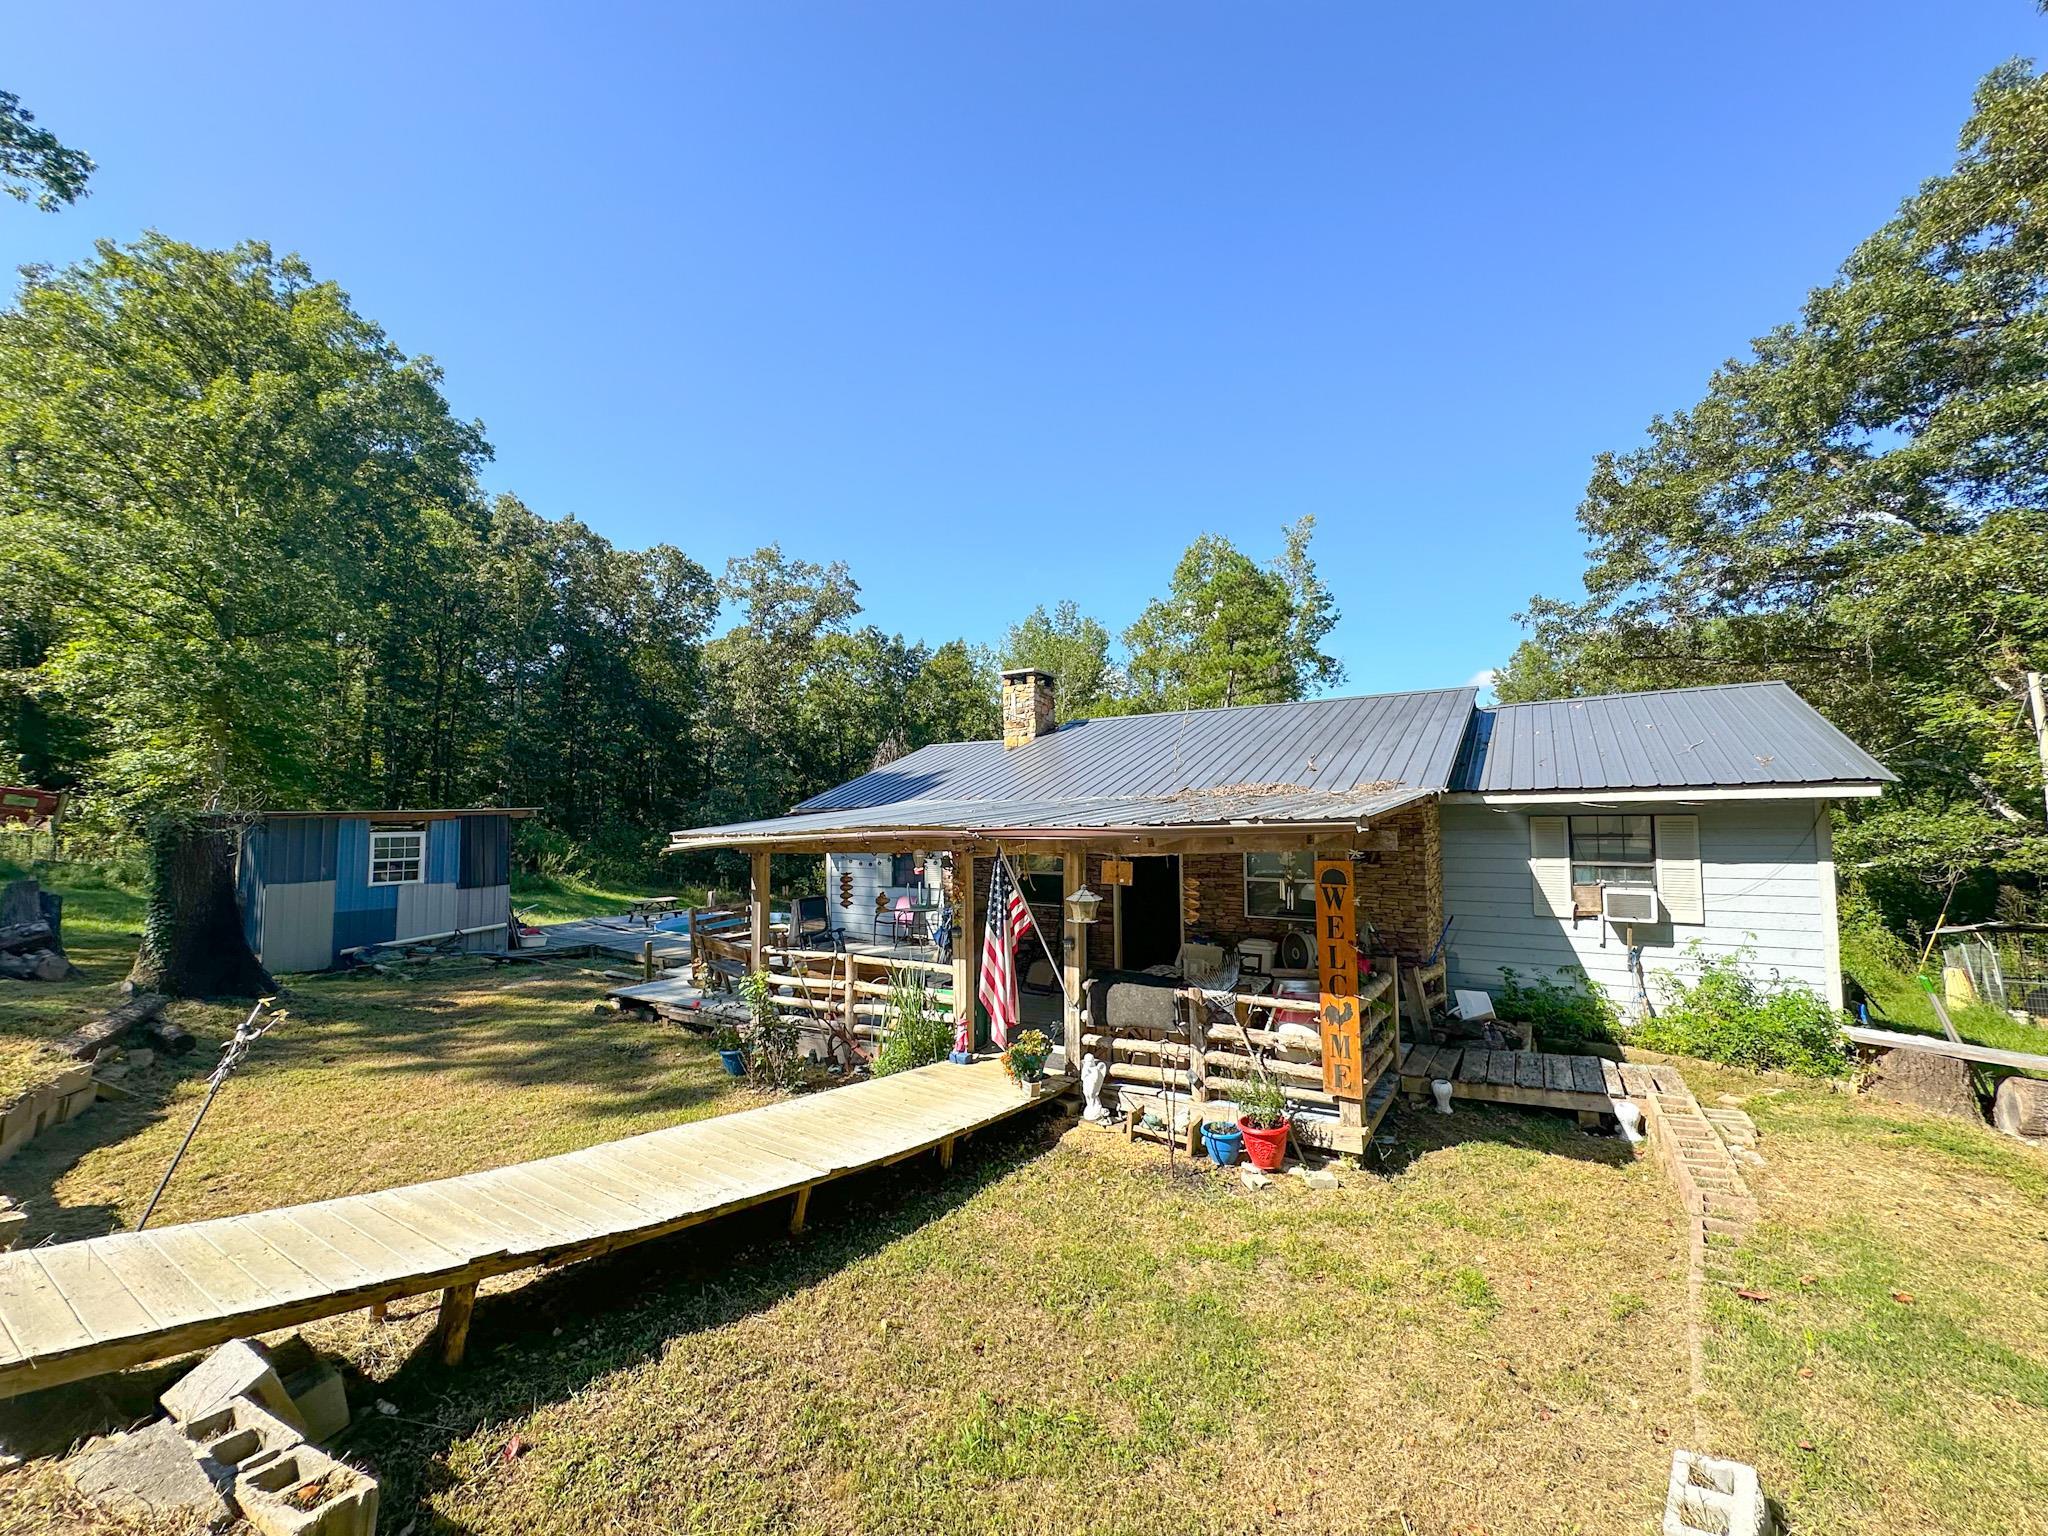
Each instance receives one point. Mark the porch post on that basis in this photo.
(966, 939)
(759, 901)
(1073, 875)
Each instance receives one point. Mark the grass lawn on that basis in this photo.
(543, 900)
(1064, 1334)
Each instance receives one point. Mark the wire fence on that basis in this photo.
(2008, 969)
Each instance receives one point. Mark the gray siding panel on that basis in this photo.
(1761, 870)
(425, 909)
(298, 926)
(477, 906)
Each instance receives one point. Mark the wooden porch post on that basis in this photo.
(1073, 876)
(759, 899)
(966, 939)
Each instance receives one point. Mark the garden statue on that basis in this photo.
(1094, 1073)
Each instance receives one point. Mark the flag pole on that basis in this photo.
(1051, 959)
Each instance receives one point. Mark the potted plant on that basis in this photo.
(1024, 1057)
(1224, 1141)
(726, 1040)
(1262, 1117)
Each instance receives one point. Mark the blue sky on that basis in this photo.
(1005, 302)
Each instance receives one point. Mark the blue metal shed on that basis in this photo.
(315, 884)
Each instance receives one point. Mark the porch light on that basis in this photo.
(1081, 906)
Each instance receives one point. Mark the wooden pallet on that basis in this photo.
(1585, 1084)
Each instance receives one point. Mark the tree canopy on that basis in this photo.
(35, 167)
(1858, 506)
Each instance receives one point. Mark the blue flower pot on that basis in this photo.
(735, 1062)
(1225, 1144)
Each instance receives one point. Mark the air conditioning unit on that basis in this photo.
(1629, 904)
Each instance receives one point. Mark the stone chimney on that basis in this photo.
(1027, 705)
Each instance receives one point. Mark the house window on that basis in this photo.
(397, 858)
(905, 870)
(1614, 850)
(1280, 885)
(1044, 878)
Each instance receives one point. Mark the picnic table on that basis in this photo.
(648, 908)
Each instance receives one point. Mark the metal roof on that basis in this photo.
(1738, 735)
(1234, 809)
(1313, 744)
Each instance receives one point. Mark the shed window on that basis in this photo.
(1280, 885)
(905, 870)
(1614, 850)
(397, 858)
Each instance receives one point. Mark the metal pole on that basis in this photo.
(2040, 707)
(231, 1056)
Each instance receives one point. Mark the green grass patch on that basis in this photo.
(565, 898)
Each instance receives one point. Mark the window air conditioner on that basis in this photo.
(1629, 903)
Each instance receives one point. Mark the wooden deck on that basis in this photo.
(73, 1310)
(1586, 1084)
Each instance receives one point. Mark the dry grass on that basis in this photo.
(1490, 1335)
(102, 923)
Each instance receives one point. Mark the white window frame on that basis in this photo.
(1639, 871)
(1305, 914)
(418, 857)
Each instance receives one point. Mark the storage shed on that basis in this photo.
(315, 884)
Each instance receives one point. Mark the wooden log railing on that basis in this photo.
(1204, 1057)
(855, 988)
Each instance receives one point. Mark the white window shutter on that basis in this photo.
(1678, 869)
(1550, 865)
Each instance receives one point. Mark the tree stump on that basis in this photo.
(2021, 1107)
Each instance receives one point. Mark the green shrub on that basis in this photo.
(919, 1031)
(1564, 1017)
(1726, 1014)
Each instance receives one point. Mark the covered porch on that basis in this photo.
(1197, 972)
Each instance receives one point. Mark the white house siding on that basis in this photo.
(1766, 868)
(856, 917)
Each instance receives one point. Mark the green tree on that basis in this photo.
(1231, 631)
(34, 166)
(1074, 648)
(210, 459)
(1858, 506)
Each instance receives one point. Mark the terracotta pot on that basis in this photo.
(1265, 1147)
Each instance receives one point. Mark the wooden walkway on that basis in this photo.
(73, 1310)
(1586, 1084)
(1896, 1040)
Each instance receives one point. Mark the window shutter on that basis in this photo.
(1678, 869)
(1550, 865)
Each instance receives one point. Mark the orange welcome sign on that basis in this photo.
(1337, 967)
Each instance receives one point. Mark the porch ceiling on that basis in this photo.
(1231, 808)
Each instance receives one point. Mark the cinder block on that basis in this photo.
(304, 1492)
(240, 1432)
(321, 1399)
(238, 1368)
(1712, 1497)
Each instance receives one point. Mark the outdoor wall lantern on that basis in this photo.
(1082, 906)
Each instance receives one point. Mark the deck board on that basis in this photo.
(73, 1310)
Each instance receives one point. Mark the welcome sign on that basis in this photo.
(1337, 966)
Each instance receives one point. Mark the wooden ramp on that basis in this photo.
(73, 1310)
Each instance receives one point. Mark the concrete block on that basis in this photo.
(304, 1492)
(153, 1474)
(239, 1433)
(12, 1220)
(238, 1368)
(321, 1399)
(1252, 1178)
(1321, 1178)
(1712, 1497)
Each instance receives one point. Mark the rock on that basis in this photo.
(1322, 1178)
(1252, 1178)
(1926, 1080)
(238, 1368)
(139, 1060)
(154, 1472)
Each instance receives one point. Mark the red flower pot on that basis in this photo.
(1265, 1147)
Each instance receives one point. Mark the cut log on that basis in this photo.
(2021, 1107)
(30, 935)
(21, 901)
(87, 1042)
(169, 1035)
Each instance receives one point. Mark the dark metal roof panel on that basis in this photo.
(1115, 811)
(1315, 744)
(1741, 735)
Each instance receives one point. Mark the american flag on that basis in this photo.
(1008, 921)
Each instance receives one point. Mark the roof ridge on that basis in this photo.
(1641, 693)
